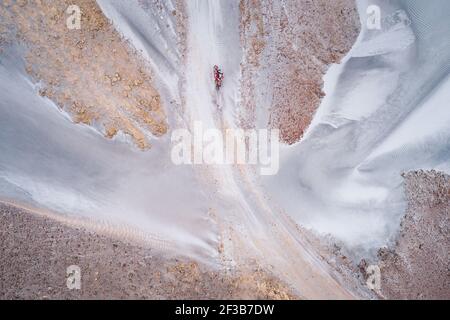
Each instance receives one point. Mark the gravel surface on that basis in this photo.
(35, 252)
(418, 266)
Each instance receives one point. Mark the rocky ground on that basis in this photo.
(418, 267)
(288, 47)
(91, 72)
(35, 252)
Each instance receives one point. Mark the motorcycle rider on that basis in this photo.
(218, 77)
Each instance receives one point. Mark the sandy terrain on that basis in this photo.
(35, 252)
(417, 265)
(95, 76)
(91, 73)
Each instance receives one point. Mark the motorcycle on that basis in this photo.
(218, 77)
